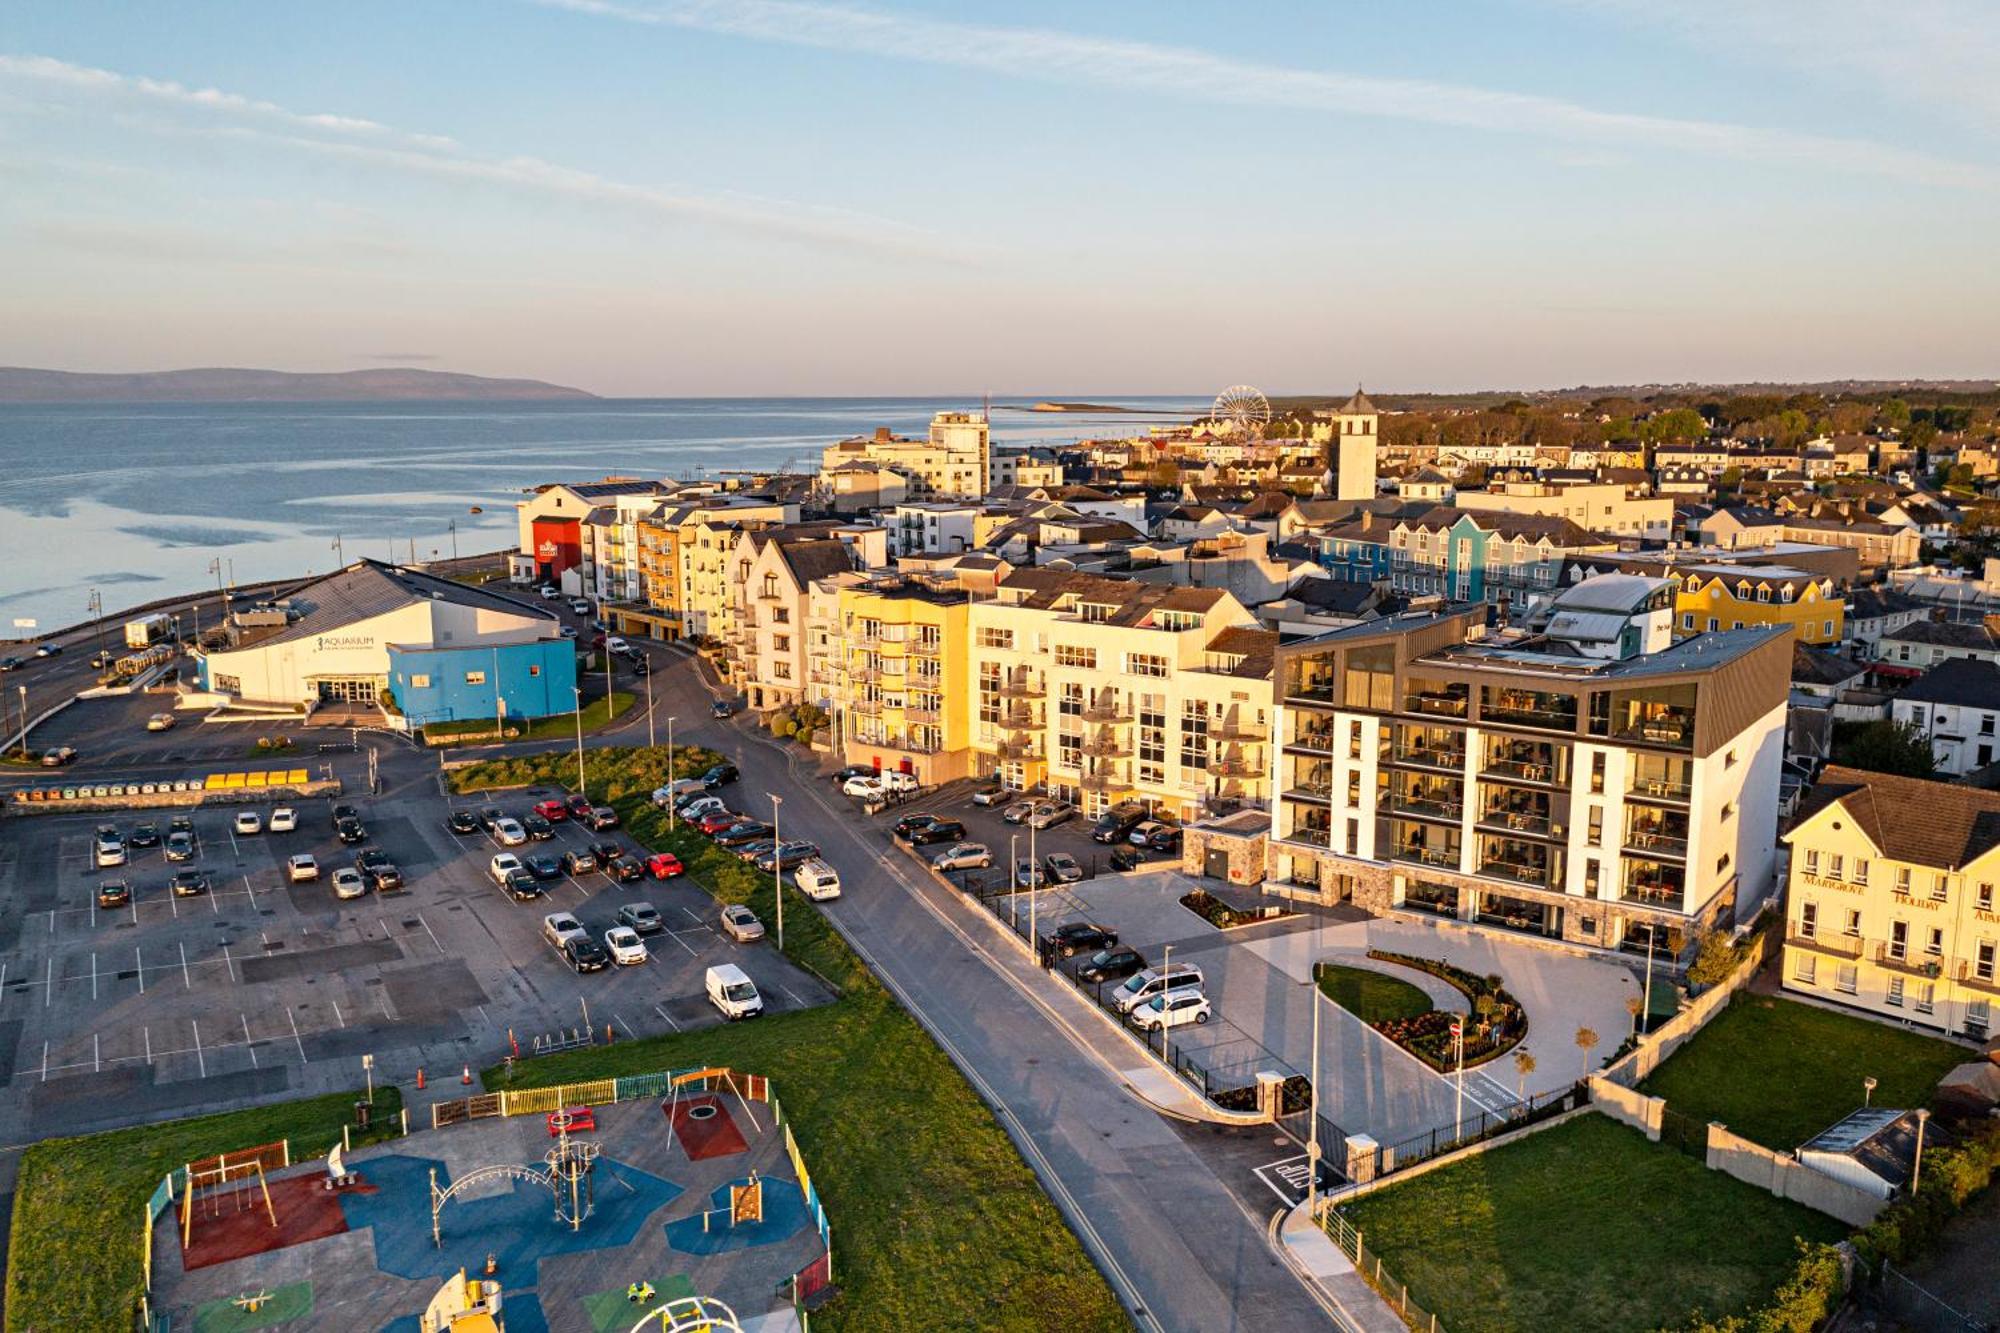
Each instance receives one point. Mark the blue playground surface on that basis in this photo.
(784, 1215)
(517, 1227)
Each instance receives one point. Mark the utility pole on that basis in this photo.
(649, 719)
(1034, 882)
(581, 789)
(1917, 1167)
(673, 799)
(778, 867)
(97, 609)
(24, 720)
(1014, 880)
(453, 525)
(1312, 1110)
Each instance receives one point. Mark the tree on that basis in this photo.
(1586, 1041)
(1524, 1065)
(1885, 747)
(1714, 959)
(1633, 1004)
(1680, 425)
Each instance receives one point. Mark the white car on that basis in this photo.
(509, 832)
(817, 880)
(160, 722)
(1172, 1010)
(302, 868)
(110, 852)
(867, 789)
(625, 945)
(614, 644)
(503, 865)
(347, 883)
(549, 594)
(283, 820)
(249, 821)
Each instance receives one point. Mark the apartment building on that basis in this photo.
(1473, 557)
(1603, 507)
(1111, 690)
(953, 462)
(707, 561)
(901, 677)
(1891, 906)
(768, 649)
(550, 522)
(1589, 780)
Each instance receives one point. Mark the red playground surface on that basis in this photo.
(705, 1128)
(239, 1226)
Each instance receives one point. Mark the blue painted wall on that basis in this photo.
(535, 679)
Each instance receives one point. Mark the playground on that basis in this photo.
(587, 1217)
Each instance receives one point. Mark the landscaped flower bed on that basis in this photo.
(1495, 1022)
(1222, 916)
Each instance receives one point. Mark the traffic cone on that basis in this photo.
(420, 1078)
(466, 1075)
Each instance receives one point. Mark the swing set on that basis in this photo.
(226, 1188)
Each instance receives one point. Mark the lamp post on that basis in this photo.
(1868, 1090)
(1034, 883)
(649, 716)
(1312, 1110)
(581, 789)
(778, 867)
(23, 739)
(1917, 1167)
(672, 800)
(1646, 1008)
(1458, 1106)
(1014, 881)
(97, 609)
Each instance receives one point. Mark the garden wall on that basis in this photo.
(1623, 1104)
(1785, 1177)
(1671, 1035)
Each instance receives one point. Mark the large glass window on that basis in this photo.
(1657, 715)
(1518, 707)
(1371, 678)
(1442, 698)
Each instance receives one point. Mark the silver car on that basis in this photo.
(1048, 814)
(347, 883)
(963, 856)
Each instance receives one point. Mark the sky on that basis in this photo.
(706, 197)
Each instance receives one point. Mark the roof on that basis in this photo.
(1619, 593)
(1359, 403)
(1343, 596)
(1253, 646)
(1881, 1138)
(1912, 819)
(816, 559)
(1816, 666)
(1866, 603)
(1968, 681)
(1945, 634)
(593, 490)
(369, 588)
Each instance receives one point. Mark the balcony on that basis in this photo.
(1104, 779)
(1502, 819)
(1968, 975)
(1654, 890)
(1497, 866)
(1900, 959)
(1107, 744)
(1313, 742)
(924, 716)
(1421, 855)
(1310, 836)
(1438, 702)
(1020, 747)
(1672, 789)
(1446, 758)
(1440, 899)
(1654, 838)
(1022, 687)
(924, 647)
(1538, 764)
(868, 707)
(1675, 729)
(1300, 791)
(1235, 766)
(1427, 804)
(1834, 946)
(1019, 719)
(1107, 708)
(1527, 715)
(1236, 728)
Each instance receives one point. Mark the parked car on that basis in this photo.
(716, 822)
(522, 885)
(56, 758)
(180, 846)
(640, 666)
(302, 868)
(578, 805)
(160, 722)
(750, 851)
(1063, 868)
(992, 794)
(341, 812)
(615, 644)
(578, 862)
(1117, 823)
(606, 851)
(740, 834)
(537, 828)
(817, 880)
(625, 946)
(942, 830)
(866, 788)
(1074, 937)
(694, 808)
(642, 917)
(664, 865)
(585, 954)
(963, 856)
(462, 822)
(1144, 986)
(347, 883)
(909, 824)
(544, 865)
(1028, 875)
(552, 810)
(508, 832)
(283, 820)
(501, 864)
(1018, 812)
(741, 924)
(114, 893)
(721, 775)
(1143, 831)
(626, 869)
(110, 850)
(579, 607)
(730, 990)
(1111, 964)
(1172, 1010)
(382, 874)
(248, 822)
(601, 817)
(1125, 858)
(841, 775)
(1048, 814)
(189, 883)
(1165, 838)
(721, 708)
(148, 835)
(789, 855)
(350, 832)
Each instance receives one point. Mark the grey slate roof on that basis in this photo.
(369, 588)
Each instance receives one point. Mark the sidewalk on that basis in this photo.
(1313, 1253)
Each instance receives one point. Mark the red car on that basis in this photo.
(664, 865)
(575, 1119)
(717, 821)
(552, 810)
(578, 804)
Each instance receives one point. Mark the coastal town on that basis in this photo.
(1383, 861)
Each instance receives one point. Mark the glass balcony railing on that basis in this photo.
(1319, 742)
(1661, 785)
(1443, 858)
(1310, 835)
(1653, 890)
(1535, 823)
(1429, 756)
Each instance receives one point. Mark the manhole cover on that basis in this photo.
(701, 1112)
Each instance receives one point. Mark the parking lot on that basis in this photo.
(110, 733)
(984, 824)
(259, 986)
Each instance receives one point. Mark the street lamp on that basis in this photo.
(1014, 881)
(96, 608)
(1868, 1090)
(1917, 1167)
(580, 788)
(1312, 1111)
(1458, 1106)
(778, 867)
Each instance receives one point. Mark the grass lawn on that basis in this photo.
(79, 1206)
(1586, 1225)
(561, 724)
(937, 1222)
(1779, 1072)
(1371, 996)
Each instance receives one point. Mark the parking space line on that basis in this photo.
(793, 998)
(296, 1039)
(149, 1043)
(93, 975)
(246, 1038)
(138, 966)
(428, 931)
(200, 1059)
(96, 1056)
(661, 1011)
(213, 908)
(49, 986)
(338, 1016)
(228, 963)
(45, 1062)
(186, 976)
(621, 1023)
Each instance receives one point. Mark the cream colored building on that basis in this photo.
(1893, 902)
(1110, 690)
(953, 462)
(1595, 507)
(769, 647)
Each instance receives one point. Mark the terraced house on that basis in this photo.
(1893, 904)
(1585, 779)
(1110, 690)
(1482, 557)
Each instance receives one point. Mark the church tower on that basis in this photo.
(1351, 449)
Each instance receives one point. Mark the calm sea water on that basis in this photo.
(138, 501)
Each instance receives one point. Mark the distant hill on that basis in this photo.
(20, 384)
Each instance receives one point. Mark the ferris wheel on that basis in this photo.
(1241, 406)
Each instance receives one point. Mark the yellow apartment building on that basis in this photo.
(901, 693)
(1729, 596)
(1891, 906)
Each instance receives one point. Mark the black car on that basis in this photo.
(601, 817)
(181, 824)
(750, 851)
(114, 893)
(543, 865)
(585, 954)
(102, 659)
(1074, 937)
(605, 851)
(720, 776)
(787, 856)
(1116, 824)
(1165, 839)
(523, 885)
(489, 815)
(180, 846)
(189, 883)
(49, 650)
(341, 812)
(909, 824)
(1125, 858)
(462, 822)
(537, 828)
(938, 830)
(350, 832)
(720, 708)
(1111, 964)
(640, 666)
(578, 863)
(625, 869)
(11, 664)
(145, 835)
(740, 834)
(841, 776)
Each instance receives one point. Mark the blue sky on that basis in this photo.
(703, 197)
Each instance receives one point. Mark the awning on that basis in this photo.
(1894, 672)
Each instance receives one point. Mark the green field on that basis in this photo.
(1779, 1072)
(79, 1206)
(1371, 996)
(1584, 1226)
(937, 1222)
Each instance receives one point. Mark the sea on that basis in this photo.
(116, 505)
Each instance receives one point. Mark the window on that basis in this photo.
(1805, 968)
(1722, 863)
(1354, 739)
(1982, 962)
(781, 643)
(424, 683)
(1069, 750)
(1934, 943)
(1353, 837)
(1729, 812)
(1985, 898)
(475, 678)
(1069, 655)
(1070, 702)
(1895, 995)
(1596, 825)
(1808, 920)
(1354, 789)
(1146, 664)
(1687, 621)
(1597, 772)
(1812, 861)
(1847, 980)
(1194, 733)
(1853, 930)
(989, 637)
(1927, 997)
(1835, 864)
(1729, 759)
(1899, 940)
(1940, 888)
(781, 615)
(1827, 630)
(534, 670)
(1903, 880)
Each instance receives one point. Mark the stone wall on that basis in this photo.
(1249, 854)
(1785, 1177)
(1633, 1108)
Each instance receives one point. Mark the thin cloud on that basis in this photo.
(400, 356)
(371, 142)
(1054, 56)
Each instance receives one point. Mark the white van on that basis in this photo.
(1143, 986)
(731, 990)
(817, 880)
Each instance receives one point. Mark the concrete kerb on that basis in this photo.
(1325, 1271)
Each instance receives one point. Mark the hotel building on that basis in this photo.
(1893, 904)
(1587, 780)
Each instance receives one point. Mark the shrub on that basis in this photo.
(1500, 1025)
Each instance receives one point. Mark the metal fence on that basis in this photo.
(1684, 1132)
(1369, 1264)
(1919, 1309)
(1478, 1128)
